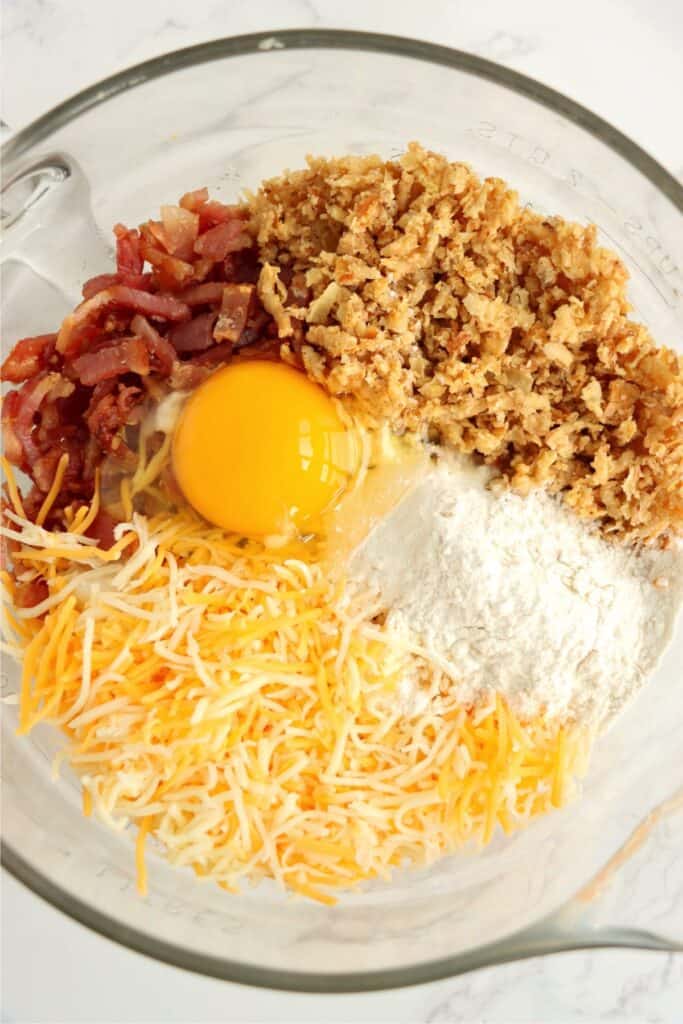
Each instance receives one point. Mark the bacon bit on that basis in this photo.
(235, 306)
(98, 284)
(31, 396)
(242, 267)
(11, 403)
(215, 355)
(188, 375)
(261, 348)
(225, 238)
(179, 231)
(127, 355)
(202, 294)
(193, 372)
(203, 267)
(128, 256)
(166, 307)
(194, 201)
(103, 281)
(28, 357)
(178, 272)
(105, 387)
(195, 335)
(77, 397)
(159, 348)
(31, 592)
(43, 470)
(79, 473)
(102, 529)
(110, 409)
(213, 212)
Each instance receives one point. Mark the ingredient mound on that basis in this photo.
(437, 302)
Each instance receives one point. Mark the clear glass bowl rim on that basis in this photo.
(531, 942)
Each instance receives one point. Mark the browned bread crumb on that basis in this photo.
(432, 300)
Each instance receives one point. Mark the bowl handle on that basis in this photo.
(49, 228)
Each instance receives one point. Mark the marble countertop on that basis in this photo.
(622, 59)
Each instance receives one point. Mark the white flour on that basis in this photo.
(519, 595)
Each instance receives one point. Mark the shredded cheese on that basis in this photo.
(51, 495)
(12, 488)
(240, 705)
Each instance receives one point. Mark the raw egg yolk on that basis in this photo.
(260, 448)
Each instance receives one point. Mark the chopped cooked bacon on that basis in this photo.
(166, 307)
(193, 372)
(210, 211)
(264, 348)
(179, 231)
(102, 281)
(14, 450)
(109, 411)
(159, 348)
(139, 332)
(99, 283)
(43, 470)
(202, 294)
(127, 355)
(32, 394)
(102, 529)
(176, 272)
(203, 268)
(195, 335)
(28, 357)
(128, 256)
(213, 212)
(215, 355)
(31, 592)
(235, 305)
(217, 242)
(190, 374)
(242, 267)
(194, 201)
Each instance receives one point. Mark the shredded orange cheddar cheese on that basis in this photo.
(240, 707)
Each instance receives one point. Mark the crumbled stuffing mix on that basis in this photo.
(434, 301)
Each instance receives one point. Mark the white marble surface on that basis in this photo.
(622, 59)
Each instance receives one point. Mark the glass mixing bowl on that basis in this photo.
(226, 114)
